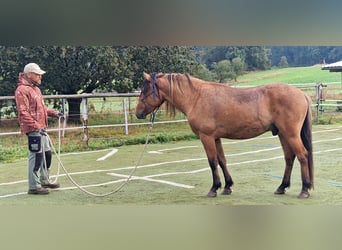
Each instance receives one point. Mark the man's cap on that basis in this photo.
(33, 68)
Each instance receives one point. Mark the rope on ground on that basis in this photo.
(60, 164)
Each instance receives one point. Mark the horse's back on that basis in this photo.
(276, 98)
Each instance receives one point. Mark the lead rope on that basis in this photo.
(128, 178)
(59, 150)
(45, 170)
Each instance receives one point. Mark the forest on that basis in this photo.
(89, 69)
(305, 55)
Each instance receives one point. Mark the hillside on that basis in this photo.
(293, 75)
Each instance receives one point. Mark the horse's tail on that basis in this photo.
(306, 135)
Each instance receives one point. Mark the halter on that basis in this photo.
(155, 93)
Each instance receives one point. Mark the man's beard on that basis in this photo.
(31, 81)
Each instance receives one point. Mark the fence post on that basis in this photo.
(65, 116)
(85, 120)
(319, 98)
(125, 115)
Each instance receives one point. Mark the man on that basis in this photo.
(33, 118)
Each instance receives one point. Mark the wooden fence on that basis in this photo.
(87, 106)
(320, 104)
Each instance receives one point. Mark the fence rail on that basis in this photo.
(78, 96)
(85, 111)
(319, 104)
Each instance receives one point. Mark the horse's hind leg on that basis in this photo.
(302, 156)
(223, 164)
(289, 160)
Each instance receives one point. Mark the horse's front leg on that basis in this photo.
(210, 149)
(216, 178)
(223, 164)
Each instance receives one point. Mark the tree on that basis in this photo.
(70, 69)
(10, 65)
(257, 58)
(238, 67)
(283, 62)
(160, 59)
(305, 55)
(202, 72)
(85, 69)
(254, 57)
(223, 70)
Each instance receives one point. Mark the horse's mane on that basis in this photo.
(175, 81)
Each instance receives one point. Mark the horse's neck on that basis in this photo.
(182, 94)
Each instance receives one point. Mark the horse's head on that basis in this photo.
(149, 99)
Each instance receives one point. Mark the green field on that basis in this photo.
(294, 75)
(178, 173)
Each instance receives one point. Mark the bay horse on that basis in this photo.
(216, 111)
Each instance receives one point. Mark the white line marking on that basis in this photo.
(170, 149)
(171, 162)
(12, 182)
(328, 150)
(146, 178)
(328, 140)
(328, 130)
(253, 152)
(241, 141)
(85, 152)
(11, 195)
(107, 155)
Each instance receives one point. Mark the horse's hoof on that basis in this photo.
(226, 191)
(279, 191)
(304, 195)
(212, 194)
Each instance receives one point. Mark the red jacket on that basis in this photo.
(32, 112)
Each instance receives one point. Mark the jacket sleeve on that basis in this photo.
(51, 112)
(23, 111)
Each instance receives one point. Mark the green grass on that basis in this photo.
(294, 75)
(255, 181)
(14, 148)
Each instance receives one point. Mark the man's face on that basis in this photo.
(35, 77)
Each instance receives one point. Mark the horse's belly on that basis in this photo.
(243, 128)
(241, 132)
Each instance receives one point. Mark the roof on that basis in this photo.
(333, 67)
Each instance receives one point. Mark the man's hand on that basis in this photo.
(61, 115)
(42, 131)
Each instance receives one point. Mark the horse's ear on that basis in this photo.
(147, 76)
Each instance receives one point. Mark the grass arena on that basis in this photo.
(178, 173)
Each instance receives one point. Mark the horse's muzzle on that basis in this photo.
(140, 115)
